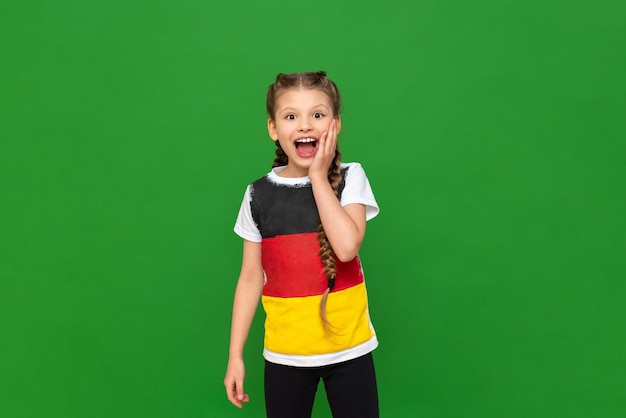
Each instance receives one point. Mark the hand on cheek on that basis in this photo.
(325, 151)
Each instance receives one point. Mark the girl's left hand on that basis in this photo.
(325, 152)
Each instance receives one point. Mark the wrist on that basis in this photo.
(318, 177)
(234, 357)
(235, 353)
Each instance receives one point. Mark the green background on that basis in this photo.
(493, 134)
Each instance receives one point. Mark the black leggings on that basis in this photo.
(350, 388)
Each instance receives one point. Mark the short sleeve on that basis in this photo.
(245, 226)
(357, 189)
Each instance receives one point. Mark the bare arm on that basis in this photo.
(344, 225)
(247, 295)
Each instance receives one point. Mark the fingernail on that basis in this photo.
(240, 397)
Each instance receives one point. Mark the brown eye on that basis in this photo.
(290, 117)
(318, 115)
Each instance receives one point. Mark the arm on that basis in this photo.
(247, 295)
(344, 225)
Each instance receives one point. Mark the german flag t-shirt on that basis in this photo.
(280, 213)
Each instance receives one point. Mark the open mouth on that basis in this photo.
(306, 147)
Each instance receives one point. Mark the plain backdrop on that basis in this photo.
(493, 135)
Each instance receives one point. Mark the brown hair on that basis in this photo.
(315, 81)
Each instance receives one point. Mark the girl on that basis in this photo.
(302, 225)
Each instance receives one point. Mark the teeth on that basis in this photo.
(303, 140)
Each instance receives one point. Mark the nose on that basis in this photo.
(304, 125)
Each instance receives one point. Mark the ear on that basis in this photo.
(271, 129)
(338, 119)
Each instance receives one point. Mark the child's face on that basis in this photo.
(302, 116)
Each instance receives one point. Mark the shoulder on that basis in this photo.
(262, 179)
(266, 181)
(352, 171)
(357, 189)
(351, 166)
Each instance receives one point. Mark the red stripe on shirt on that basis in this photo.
(293, 267)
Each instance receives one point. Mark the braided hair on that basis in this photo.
(318, 81)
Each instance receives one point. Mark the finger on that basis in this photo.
(333, 136)
(322, 143)
(238, 401)
(324, 146)
(239, 391)
(332, 130)
(231, 393)
(235, 402)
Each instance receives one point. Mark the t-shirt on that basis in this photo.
(281, 214)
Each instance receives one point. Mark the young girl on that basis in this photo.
(302, 226)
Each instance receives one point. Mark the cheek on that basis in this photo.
(324, 126)
(321, 123)
(285, 131)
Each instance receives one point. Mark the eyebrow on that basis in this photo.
(293, 108)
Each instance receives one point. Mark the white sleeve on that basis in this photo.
(357, 189)
(245, 226)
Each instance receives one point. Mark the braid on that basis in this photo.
(281, 157)
(326, 251)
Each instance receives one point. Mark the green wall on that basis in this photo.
(492, 132)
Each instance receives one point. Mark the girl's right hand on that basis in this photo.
(235, 373)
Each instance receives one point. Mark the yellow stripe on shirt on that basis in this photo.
(294, 325)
